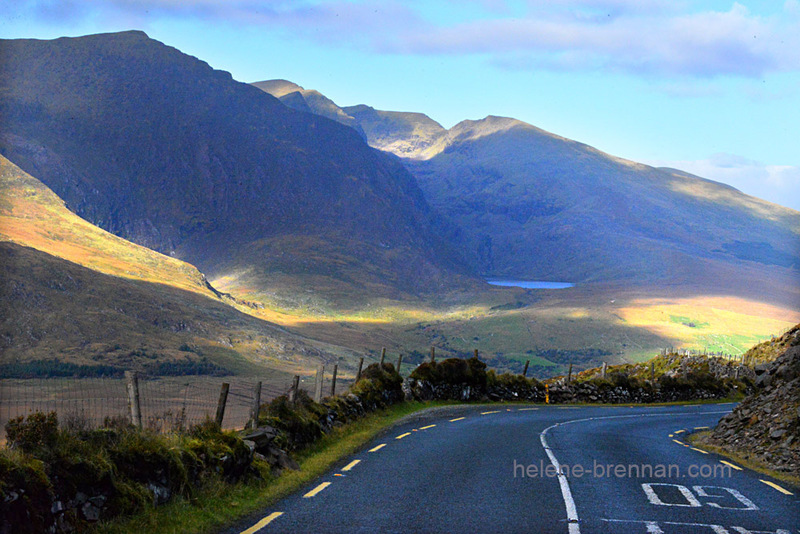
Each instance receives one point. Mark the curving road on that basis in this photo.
(495, 469)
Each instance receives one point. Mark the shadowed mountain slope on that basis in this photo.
(78, 295)
(158, 148)
(534, 205)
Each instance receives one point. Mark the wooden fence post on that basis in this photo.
(603, 372)
(256, 408)
(383, 356)
(223, 400)
(360, 367)
(525, 370)
(321, 377)
(399, 363)
(333, 379)
(652, 372)
(569, 374)
(433, 354)
(132, 380)
(475, 355)
(295, 387)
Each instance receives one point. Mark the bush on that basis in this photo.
(379, 386)
(453, 371)
(299, 422)
(37, 433)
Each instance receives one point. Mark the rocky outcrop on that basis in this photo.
(765, 427)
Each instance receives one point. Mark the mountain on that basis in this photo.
(309, 101)
(532, 205)
(160, 149)
(538, 206)
(77, 299)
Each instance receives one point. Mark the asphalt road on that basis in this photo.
(493, 469)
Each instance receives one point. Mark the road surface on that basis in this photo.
(496, 469)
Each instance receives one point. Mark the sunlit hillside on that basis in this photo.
(32, 215)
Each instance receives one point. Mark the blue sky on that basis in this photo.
(711, 87)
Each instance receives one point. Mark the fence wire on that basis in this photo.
(166, 403)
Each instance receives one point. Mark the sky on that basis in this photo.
(710, 87)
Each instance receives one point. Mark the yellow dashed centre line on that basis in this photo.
(379, 447)
(698, 450)
(487, 413)
(777, 487)
(680, 431)
(351, 465)
(316, 490)
(730, 465)
(263, 523)
(680, 442)
(427, 427)
(457, 419)
(401, 436)
(671, 435)
(701, 428)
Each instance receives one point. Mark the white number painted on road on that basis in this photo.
(657, 527)
(652, 496)
(702, 492)
(692, 501)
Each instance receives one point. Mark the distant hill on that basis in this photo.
(536, 206)
(76, 295)
(158, 148)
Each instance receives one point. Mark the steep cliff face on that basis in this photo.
(766, 425)
(157, 147)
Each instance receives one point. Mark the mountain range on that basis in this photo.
(536, 206)
(154, 210)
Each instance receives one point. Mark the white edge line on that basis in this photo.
(566, 493)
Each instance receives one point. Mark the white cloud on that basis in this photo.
(643, 37)
(776, 183)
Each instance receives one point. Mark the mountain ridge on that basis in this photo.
(231, 166)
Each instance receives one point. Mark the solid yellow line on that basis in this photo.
(379, 447)
(777, 487)
(351, 465)
(730, 465)
(401, 436)
(427, 427)
(680, 431)
(317, 489)
(487, 413)
(457, 419)
(263, 523)
(698, 450)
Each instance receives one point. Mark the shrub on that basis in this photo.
(38, 432)
(453, 371)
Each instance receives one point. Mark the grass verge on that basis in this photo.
(219, 504)
(701, 439)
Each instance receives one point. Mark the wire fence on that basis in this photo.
(166, 403)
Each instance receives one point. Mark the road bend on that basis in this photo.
(539, 469)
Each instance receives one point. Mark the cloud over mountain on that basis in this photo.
(642, 38)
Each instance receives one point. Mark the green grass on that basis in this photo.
(686, 321)
(219, 504)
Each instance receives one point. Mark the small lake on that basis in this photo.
(530, 284)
